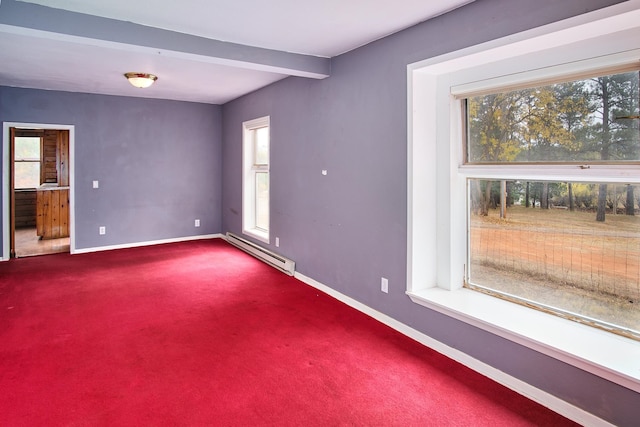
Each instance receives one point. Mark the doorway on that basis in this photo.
(37, 158)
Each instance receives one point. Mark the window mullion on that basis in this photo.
(611, 173)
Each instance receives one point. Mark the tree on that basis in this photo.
(572, 206)
(544, 198)
(587, 120)
(601, 205)
(503, 199)
(629, 208)
(629, 205)
(491, 122)
(492, 127)
(613, 96)
(552, 114)
(614, 197)
(479, 197)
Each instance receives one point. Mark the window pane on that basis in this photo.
(262, 200)
(27, 148)
(262, 146)
(27, 175)
(548, 247)
(590, 120)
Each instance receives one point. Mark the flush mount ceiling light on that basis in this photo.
(141, 80)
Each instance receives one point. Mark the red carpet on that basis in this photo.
(199, 333)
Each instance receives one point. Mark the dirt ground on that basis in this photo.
(562, 259)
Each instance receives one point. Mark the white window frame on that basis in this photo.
(250, 169)
(437, 231)
(29, 160)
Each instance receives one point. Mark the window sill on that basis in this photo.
(260, 235)
(609, 356)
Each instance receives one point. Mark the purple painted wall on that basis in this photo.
(348, 229)
(158, 162)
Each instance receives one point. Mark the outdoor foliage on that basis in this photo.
(583, 121)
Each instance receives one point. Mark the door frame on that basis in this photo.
(6, 182)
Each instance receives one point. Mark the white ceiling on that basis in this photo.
(44, 45)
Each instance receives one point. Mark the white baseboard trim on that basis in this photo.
(550, 401)
(147, 243)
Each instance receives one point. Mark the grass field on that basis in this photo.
(563, 259)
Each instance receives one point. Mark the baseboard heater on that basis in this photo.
(281, 263)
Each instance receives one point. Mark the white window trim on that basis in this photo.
(436, 241)
(248, 179)
(30, 160)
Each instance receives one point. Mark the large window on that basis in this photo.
(27, 169)
(256, 142)
(522, 165)
(572, 248)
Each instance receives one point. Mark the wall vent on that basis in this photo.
(281, 263)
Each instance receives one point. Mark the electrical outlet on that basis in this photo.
(384, 285)
(277, 242)
(197, 223)
(102, 230)
(96, 184)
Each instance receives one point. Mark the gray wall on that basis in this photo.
(347, 229)
(158, 162)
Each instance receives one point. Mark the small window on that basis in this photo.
(27, 162)
(256, 144)
(537, 234)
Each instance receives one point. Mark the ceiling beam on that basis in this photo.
(40, 21)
